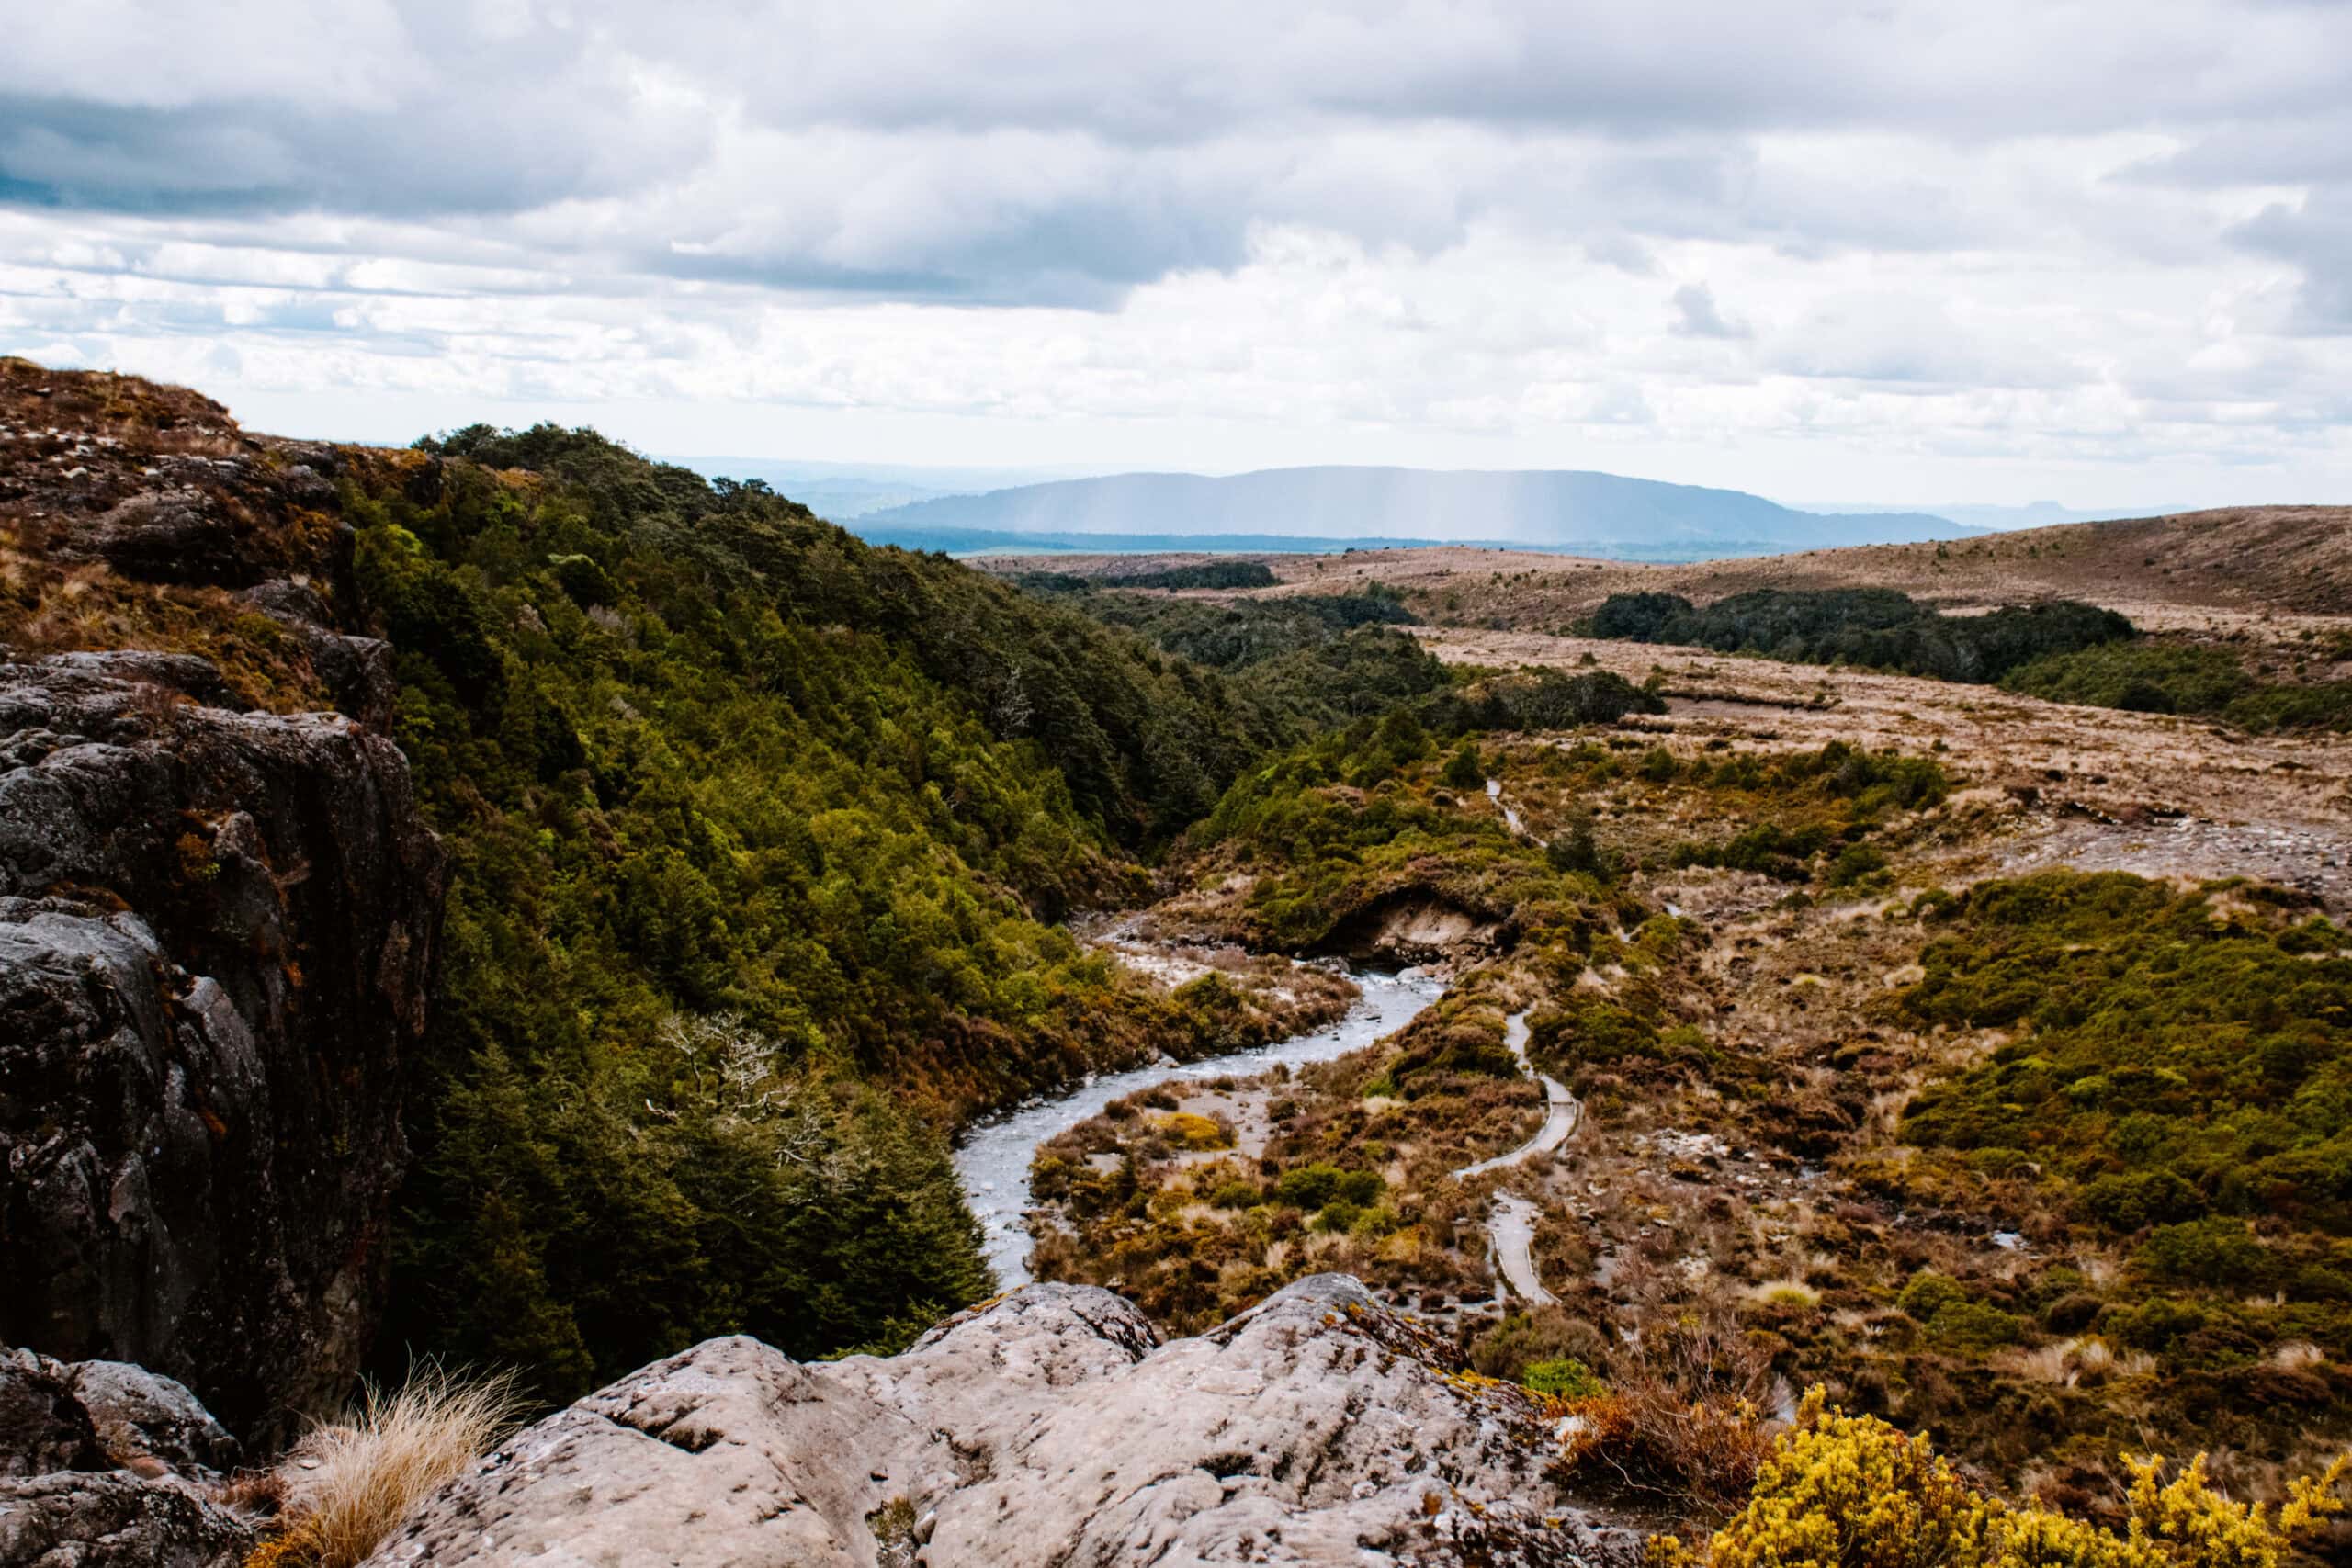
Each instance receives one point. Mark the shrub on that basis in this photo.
(1524, 1340)
(1928, 1292)
(2133, 1200)
(1972, 1327)
(1339, 1215)
(1840, 1489)
(1682, 1420)
(2207, 1252)
(1854, 863)
(1193, 1130)
(2178, 1057)
(2152, 677)
(1464, 770)
(1873, 626)
(349, 1483)
(1574, 849)
(1307, 1185)
(1567, 1377)
(1316, 1184)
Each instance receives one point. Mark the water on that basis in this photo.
(993, 1156)
(1510, 817)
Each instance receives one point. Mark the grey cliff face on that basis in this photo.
(217, 931)
(1050, 1426)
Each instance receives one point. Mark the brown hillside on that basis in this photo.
(2291, 560)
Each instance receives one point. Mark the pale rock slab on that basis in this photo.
(1050, 1426)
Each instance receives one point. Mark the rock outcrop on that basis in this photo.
(107, 1465)
(1049, 1426)
(217, 921)
(216, 934)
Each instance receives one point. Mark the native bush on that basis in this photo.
(1877, 628)
(2158, 677)
(707, 767)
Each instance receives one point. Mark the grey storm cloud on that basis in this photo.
(1054, 152)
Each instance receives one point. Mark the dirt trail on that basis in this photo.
(1558, 1125)
(1511, 1223)
(1510, 816)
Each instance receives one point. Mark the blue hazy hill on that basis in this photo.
(1551, 510)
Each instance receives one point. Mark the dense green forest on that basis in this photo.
(1876, 627)
(1227, 634)
(2061, 649)
(761, 835)
(1208, 574)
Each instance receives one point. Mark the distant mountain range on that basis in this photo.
(2033, 514)
(1327, 508)
(841, 492)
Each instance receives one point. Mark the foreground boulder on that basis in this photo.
(107, 1465)
(1050, 1426)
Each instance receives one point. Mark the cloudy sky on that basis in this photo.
(2096, 251)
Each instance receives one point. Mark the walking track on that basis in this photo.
(1511, 1224)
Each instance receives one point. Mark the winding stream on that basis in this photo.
(993, 1158)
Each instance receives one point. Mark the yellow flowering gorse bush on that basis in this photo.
(1852, 1492)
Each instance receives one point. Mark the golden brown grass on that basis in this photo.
(350, 1483)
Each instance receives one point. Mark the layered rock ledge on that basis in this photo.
(1052, 1425)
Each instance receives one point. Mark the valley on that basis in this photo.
(1744, 1049)
(506, 904)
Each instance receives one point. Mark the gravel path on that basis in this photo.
(1511, 1223)
(1559, 1126)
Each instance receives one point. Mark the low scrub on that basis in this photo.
(1841, 1489)
(2209, 682)
(1681, 1421)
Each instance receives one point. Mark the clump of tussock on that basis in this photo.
(2084, 1360)
(350, 1483)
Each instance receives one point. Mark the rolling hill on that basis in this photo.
(1594, 513)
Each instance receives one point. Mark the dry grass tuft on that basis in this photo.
(1786, 1293)
(349, 1483)
(2085, 1361)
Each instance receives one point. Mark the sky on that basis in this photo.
(2095, 252)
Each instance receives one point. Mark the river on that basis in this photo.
(993, 1156)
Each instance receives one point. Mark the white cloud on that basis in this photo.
(2098, 245)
